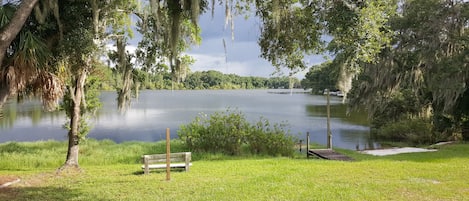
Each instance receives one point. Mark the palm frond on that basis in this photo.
(51, 89)
(32, 52)
(6, 12)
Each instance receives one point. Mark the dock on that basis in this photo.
(328, 154)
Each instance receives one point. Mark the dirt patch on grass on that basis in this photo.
(7, 193)
(6, 180)
(28, 181)
(11, 186)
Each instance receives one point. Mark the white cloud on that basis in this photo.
(205, 62)
(242, 58)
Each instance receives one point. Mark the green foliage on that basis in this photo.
(208, 80)
(168, 28)
(32, 51)
(265, 139)
(423, 73)
(12, 147)
(87, 109)
(320, 77)
(360, 30)
(77, 45)
(24, 155)
(227, 132)
(401, 105)
(462, 114)
(104, 76)
(413, 132)
(117, 15)
(465, 130)
(6, 13)
(285, 45)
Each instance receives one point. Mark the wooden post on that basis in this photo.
(301, 144)
(307, 144)
(329, 133)
(168, 155)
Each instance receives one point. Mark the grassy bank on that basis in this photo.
(440, 175)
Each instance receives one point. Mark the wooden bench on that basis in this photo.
(158, 161)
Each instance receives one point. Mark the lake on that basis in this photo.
(154, 111)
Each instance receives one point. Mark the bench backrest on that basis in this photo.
(161, 158)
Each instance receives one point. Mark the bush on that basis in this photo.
(264, 139)
(413, 132)
(465, 130)
(226, 132)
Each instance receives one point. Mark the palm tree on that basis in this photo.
(12, 19)
(25, 57)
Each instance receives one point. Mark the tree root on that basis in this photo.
(67, 169)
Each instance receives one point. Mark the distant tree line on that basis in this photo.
(198, 81)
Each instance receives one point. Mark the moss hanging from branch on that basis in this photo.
(175, 35)
(195, 10)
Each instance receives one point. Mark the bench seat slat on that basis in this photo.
(172, 165)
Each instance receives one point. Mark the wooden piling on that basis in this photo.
(307, 144)
(329, 133)
(168, 155)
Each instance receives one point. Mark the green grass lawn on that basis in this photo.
(441, 175)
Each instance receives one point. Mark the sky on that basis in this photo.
(242, 54)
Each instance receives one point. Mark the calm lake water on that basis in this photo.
(154, 111)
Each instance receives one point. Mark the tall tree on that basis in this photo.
(76, 55)
(112, 22)
(9, 28)
(82, 47)
(428, 57)
(358, 31)
(168, 28)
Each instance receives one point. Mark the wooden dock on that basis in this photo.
(328, 154)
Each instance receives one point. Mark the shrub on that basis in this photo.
(265, 139)
(465, 130)
(414, 132)
(219, 132)
(226, 132)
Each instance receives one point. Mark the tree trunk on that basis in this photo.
(126, 91)
(7, 35)
(73, 134)
(124, 94)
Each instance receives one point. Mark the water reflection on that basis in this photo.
(26, 121)
(155, 111)
(339, 110)
(350, 129)
(362, 139)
